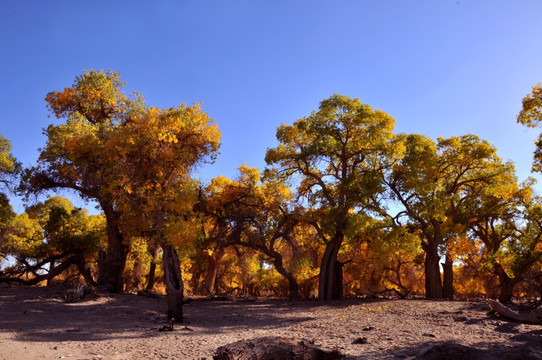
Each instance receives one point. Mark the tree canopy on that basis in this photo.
(337, 154)
(345, 205)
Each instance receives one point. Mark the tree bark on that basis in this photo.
(51, 268)
(506, 284)
(111, 268)
(151, 278)
(448, 279)
(212, 271)
(433, 282)
(293, 287)
(139, 272)
(174, 283)
(337, 287)
(84, 269)
(196, 272)
(328, 288)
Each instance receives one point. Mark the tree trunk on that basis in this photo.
(328, 288)
(506, 284)
(293, 286)
(84, 269)
(212, 271)
(433, 282)
(174, 283)
(51, 268)
(292, 282)
(139, 272)
(111, 268)
(448, 279)
(337, 287)
(196, 272)
(151, 278)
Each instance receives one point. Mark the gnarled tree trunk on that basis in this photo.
(448, 279)
(292, 282)
(212, 270)
(506, 284)
(328, 286)
(153, 250)
(111, 266)
(174, 283)
(433, 282)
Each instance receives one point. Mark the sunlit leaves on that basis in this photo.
(531, 112)
(531, 116)
(9, 167)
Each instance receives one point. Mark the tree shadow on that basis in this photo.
(451, 350)
(47, 317)
(42, 315)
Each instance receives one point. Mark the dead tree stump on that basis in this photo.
(270, 348)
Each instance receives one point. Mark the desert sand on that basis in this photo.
(36, 323)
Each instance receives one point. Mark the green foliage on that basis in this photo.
(55, 227)
(531, 116)
(451, 196)
(9, 167)
(336, 152)
(531, 111)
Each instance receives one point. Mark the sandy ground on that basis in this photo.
(35, 323)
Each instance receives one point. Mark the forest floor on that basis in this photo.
(35, 323)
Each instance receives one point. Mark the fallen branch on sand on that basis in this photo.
(531, 317)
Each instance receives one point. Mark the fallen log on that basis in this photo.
(530, 317)
(269, 348)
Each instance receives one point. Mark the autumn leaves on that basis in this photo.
(340, 187)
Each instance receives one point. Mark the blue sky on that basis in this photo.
(439, 67)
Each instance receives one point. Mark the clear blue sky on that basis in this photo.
(440, 67)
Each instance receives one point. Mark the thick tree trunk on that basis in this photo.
(174, 283)
(337, 287)
(448, 279)
(210, 276)
(293, 287)
(433, 282)
(111, 268)
(51, 268)
(328, 288)
(139, 272)
(84, 269)
(212, 271)
(196, 271)
(151, 278)
(506, 284)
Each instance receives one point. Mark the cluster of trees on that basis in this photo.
(345, 206)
